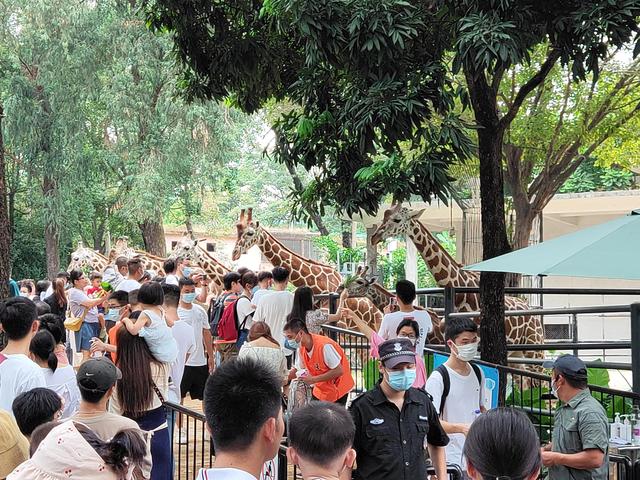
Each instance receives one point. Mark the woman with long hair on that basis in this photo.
(264, 348)
(305, 310)
(139, 395)
(60, 379)
(57, 301)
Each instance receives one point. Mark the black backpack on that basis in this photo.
(216, 308)
(446, 380)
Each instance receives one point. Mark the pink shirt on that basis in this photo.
(421, 370)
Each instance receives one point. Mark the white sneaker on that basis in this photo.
(182, 438)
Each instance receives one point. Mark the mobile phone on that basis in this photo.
(393, 303)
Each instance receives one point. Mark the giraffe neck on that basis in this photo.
(213, 268)
(378, 295)
(304, 272)
(446, 271)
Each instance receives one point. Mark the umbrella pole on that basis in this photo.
(635, 346)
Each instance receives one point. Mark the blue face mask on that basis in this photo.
(187, 271)
(291, 344)
(188, 297)
(112, 315)
(402, 380)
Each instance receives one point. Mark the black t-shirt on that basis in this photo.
(56, 308)
(390, 444)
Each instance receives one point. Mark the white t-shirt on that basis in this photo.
(128, 285)
(171, 280)
(186, 340)
(18, 374)
(197, 318)
(63, 382)
(463, 400)
(273, 309)
(391, 321)
(259, 295)
(330, 355)
(76, 298)
(244, 309)
(224, 474)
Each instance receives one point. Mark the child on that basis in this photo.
(151, 324)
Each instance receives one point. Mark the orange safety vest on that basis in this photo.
(330, 390)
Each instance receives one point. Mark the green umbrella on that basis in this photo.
(608, 250)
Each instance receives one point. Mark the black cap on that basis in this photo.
(568, 365)
(398, 350)
(98, 374)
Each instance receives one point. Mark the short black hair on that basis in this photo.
(320, 431)
(120, 296)
(121, 261)
(264, 275)
(406, 291)
(35, 407)
(579, 383)
(169, 266)
(280, 274)
(133, 297)
(42, 308)
(62, 274)
(249, 278)
(54, 325)
(134, 265)
(229, 278)
(239, 386)
(455, 326)
(409, 322)
(151, 294)
(17, 315)
(171, 295)
(295, 325)
(91, 395)
(42, 286)
(75, 275)
(186, 282)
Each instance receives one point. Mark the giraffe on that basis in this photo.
(151, 262)
(400, 221)
(216, 270)
(84, 258)
(304, 272)
(359, 285)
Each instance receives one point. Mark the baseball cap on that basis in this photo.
(568, 365)
(398, 350)
(98, 374)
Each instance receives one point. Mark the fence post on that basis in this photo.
(449, 298)
(574, 331)
(635, 346)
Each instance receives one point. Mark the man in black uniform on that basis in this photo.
(394, 422)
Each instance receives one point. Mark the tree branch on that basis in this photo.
(528, 87)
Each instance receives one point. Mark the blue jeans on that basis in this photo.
(85, 334)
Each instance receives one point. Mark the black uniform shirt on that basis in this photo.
(390, 444)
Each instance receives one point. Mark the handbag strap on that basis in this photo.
(158, 392)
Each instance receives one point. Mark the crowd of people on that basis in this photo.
(89, 361)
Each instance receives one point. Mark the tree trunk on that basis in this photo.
(5, 230)
(494, 232)
(315, 218)
(346, 233)
(189, 224)
(51, 230)
(153, 236)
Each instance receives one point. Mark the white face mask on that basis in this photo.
(412, 340)
(466, 353)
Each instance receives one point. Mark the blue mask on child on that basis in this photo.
(402, 380)
(188, 297)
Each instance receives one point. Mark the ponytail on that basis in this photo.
(43, 346)
(126, 448)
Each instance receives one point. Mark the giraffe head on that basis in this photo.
(85, 259)
(357, 285)
(187, 248)
(122, 248)
(248, 234)
(396, 222)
